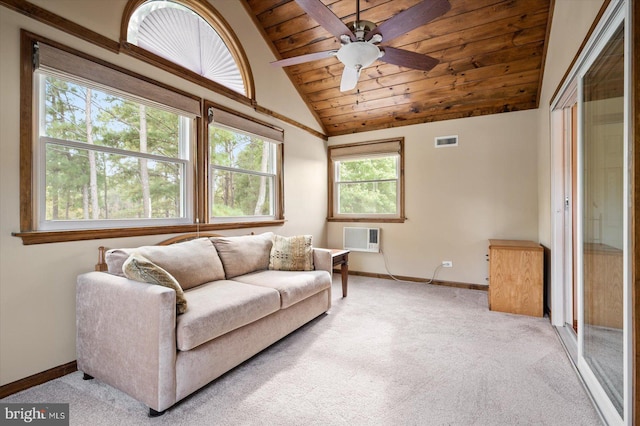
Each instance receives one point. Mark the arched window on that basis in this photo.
(190, 34)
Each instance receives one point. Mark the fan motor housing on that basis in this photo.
(361, 28)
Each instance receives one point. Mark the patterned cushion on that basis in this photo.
(291, 253)
(139, 268)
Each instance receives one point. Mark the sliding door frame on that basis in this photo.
(617, 12)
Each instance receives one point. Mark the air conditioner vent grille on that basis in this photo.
(361, 239)
(446, 141)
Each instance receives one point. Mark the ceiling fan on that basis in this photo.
(361, 40)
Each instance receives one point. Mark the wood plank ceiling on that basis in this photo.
(490, 51)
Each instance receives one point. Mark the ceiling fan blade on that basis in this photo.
(408, 59)
(411, 18)
(326, 18)
(349, 79)
(304, 58)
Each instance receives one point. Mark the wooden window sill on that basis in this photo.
(368, 219)
(44, 237)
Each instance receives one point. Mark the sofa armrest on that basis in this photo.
(322, 260)
(126, 336)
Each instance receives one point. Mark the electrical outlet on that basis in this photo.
(447, 264)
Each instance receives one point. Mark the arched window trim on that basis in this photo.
(213, 17)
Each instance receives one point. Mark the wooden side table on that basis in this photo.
(341, 257)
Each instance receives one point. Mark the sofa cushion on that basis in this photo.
(192, 262)
(292, 286)
(139, 268)
(115, 259)
(219, 307)
(244, 254)
(291, 253)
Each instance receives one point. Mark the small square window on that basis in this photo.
(367, 181)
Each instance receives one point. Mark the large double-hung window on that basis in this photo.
(245, 177)
(107, 155)
(107, 152)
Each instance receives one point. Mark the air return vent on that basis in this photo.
(445, 141)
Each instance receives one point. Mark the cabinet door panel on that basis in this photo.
(515, 280)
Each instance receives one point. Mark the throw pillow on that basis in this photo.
(291, 253)
(115, 258)
(244, 254)
(139, 268)
(191, 262)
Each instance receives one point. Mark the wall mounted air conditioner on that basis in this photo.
(361, 239)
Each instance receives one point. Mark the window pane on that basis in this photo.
(367, 198)
(603, 225)
(237, 194)
(84, 184)
(380, 168)
(113, 121)
(240, 151)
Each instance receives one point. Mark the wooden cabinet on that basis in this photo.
(516, 277)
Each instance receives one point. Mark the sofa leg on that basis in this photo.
(154, 413)
(85, 376)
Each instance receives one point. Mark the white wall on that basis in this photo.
(457, 197)
(37, 283)
(571, 22)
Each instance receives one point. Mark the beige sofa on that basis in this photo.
(131, 336)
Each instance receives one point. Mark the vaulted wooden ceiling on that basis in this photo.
(491, 56)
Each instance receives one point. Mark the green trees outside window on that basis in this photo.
(367, 186)
(108, 156)
(242, 174)
(107, 152)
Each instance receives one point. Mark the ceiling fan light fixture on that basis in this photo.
(358, 55)
(359, 38)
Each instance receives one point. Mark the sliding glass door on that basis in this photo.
(591, 284)
(603, 220)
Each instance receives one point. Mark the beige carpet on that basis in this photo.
(392, 353)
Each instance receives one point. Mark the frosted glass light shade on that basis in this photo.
(358, 54)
